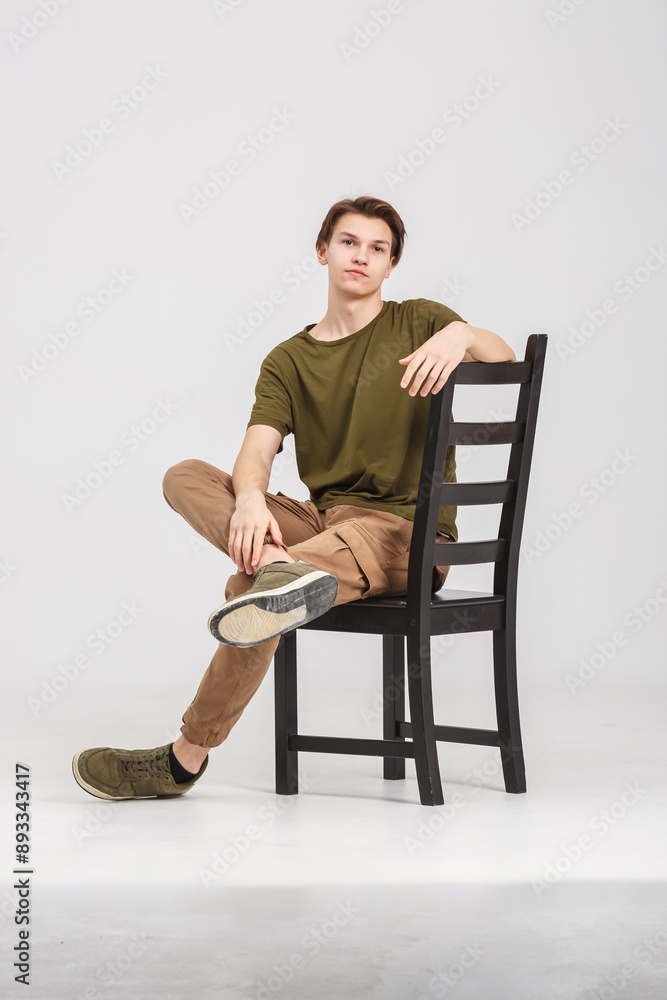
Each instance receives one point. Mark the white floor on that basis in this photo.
(352, 889)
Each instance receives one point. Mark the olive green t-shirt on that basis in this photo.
(358, 435)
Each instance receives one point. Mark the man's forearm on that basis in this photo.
(250, 474)
(483, 345)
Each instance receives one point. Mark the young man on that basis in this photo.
(353, 389)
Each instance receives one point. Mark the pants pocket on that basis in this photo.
(362, 548)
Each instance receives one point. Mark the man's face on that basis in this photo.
(360, 245)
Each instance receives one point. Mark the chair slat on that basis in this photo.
(456, 734)
(498, 373)
(467, 553)
(459, 494)
(479, 433)
(350, 745)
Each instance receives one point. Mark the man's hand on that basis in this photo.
(247, 529)
(435, 360)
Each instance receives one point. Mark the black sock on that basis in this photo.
(180, 775)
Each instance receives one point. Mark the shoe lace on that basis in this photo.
(143, 767)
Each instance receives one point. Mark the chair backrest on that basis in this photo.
(426, 551)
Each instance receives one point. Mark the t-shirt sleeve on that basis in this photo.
(433, 316)
(272, 405)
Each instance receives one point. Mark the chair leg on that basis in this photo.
(393, 699)
(421, 718)
(287, 761)
(507, 708)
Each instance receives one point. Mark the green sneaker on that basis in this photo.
(129, 774)
(283, 596)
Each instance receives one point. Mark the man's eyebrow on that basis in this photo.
(386, 242)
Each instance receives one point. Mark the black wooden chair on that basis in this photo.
(421, 614)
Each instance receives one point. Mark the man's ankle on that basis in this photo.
(189, 755)
(273, 553)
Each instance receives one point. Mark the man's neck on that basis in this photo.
(342, 319)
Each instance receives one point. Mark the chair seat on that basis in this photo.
(443, 596)
(388, 615)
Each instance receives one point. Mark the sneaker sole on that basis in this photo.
(247, 621)
(104, 795)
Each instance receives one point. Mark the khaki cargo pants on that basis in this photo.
(366, 550)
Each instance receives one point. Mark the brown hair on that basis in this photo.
(372, 208)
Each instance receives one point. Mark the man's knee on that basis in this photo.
(440, 574)
(176, 472)
(177, 475)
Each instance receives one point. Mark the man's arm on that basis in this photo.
(483, 345)
(250, 479)
(433, 362)
(252, 469)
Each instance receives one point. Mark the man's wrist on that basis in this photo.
(460, 328)
(249, 495)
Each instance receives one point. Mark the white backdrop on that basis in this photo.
(167, 167)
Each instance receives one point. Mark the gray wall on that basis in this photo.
(540, 209)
